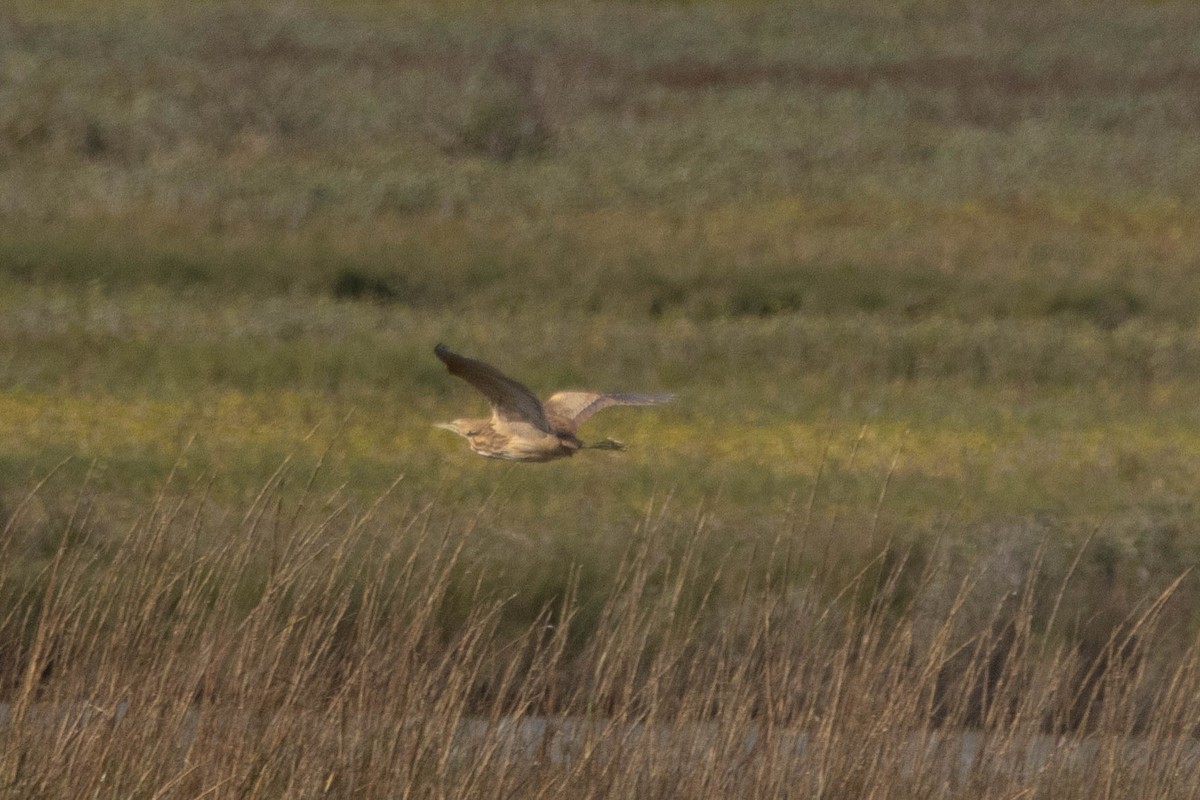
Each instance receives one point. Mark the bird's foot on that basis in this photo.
(607, 444)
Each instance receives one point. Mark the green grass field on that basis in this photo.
(923, 275)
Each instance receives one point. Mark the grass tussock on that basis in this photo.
(326, 649)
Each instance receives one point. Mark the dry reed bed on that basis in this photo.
(310, 649)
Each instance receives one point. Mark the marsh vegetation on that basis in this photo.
(922, 273)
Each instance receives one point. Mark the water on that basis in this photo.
(562, 740)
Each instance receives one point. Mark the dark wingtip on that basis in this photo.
(441, 351)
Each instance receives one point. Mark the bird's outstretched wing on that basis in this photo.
(511, 401)
(568, 410)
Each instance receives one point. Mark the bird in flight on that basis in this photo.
(523, 428)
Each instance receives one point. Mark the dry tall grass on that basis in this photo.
(322, 651)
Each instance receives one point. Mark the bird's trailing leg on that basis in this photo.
(606, 444)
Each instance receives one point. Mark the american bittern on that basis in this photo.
(522, 428)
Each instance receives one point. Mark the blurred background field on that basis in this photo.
(923, 274)
(967, 230)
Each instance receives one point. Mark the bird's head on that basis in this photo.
(463, 427)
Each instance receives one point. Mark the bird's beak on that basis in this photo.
(446, 426)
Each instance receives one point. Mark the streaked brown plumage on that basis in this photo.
(521, 427)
